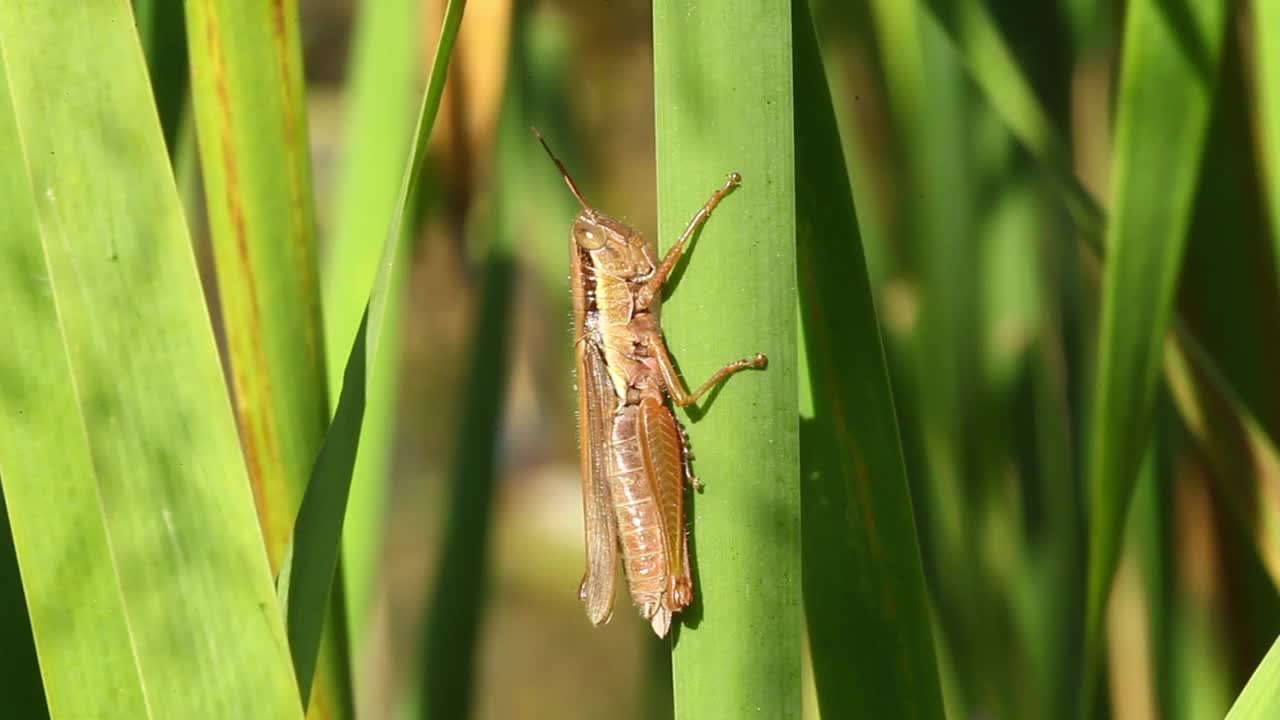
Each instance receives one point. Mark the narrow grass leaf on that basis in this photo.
(381, 88)
(1171, 57)
(723, 98)
(993, 68)
(307, 579)
(932, 110)
(247, 88)
(1227, 298)
(1260, 698)
(251, 125)
(120, 461)
(1234, 447)
(864, 591)
(1266, 28)
(1228, 423)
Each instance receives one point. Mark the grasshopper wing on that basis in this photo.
(596, 405)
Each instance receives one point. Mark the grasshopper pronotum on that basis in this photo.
(635, 455)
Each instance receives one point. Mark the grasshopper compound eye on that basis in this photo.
(588, 235)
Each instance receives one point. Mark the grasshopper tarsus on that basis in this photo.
(683, 398)
(651, 288)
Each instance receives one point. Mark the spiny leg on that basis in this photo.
(675, 386)
(650, 289)
(686, 457)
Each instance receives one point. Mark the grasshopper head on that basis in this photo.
(614, 247)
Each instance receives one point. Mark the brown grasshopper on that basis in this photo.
(635, 455)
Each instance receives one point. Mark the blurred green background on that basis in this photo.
(988, 303)
(991, 169)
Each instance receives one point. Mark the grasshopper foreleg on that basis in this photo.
(653, 286)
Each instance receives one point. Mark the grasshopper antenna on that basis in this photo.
(573, 187)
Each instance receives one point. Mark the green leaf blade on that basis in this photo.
(155, 448)
(307, 579)
(1260, 698)
(251, 124)
(1266, 25)
(723, 97)
(865, 600)
(43, 435)
(247, 92)
(1172, 52)
(383, 85)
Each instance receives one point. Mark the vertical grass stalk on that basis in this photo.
(723, 98)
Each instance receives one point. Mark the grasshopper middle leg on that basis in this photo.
(675, 386)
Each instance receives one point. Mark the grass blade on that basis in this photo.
(934, 132)
(1231, 424)
(864, 591)
(1261, 696)
(251, 125)
(42, 437)
(1235, 448)
(123, 471)
(1266, 26)
(381, 89)
(252, 130)
(992, 67)
(307, 580)
(723, 93)
(1170, 68)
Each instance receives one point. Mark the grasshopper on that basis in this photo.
(635, 455)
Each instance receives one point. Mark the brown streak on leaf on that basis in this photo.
(256, 435)
(296, 148)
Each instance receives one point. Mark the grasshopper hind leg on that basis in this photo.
(686, 458)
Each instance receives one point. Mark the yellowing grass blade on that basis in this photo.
(136, 535)
(247, 90)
